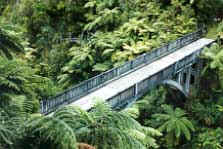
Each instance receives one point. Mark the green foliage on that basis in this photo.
(51, 132)
(57, 59)
(210, 139)
(104, 18)
(207, 113)
(6, 134)
(214, 56)
(9, 44)
(208, 9)
(77, 68)
(101, 127)
(212, 31)
(175, 124)
(40, 21)
(220, 32)
(19, 82)
(110, 32)
(12, 116)
(16, 78)
(110, 129)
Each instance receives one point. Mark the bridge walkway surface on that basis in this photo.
(119, 85)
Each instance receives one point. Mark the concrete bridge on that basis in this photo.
(176, 64)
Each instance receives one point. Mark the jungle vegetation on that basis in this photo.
(38, 60)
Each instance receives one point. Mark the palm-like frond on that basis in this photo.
(174, 121)
(16, 78)
(9, 44)
(6, 135)
(104, 17)
(12, 117)
(105, 128)
(101, 127)
(49, 129)
(214, 54)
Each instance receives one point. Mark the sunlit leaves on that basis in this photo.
(137, 27)
(105, 17)
(101, 67)
(215, 55)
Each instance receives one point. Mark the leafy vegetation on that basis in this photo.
(106, 33)
(49, 45)
(175, 124)
(9, 44)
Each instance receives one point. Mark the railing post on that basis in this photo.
(131, 64)
(41, 106)
(144, 58)
(136, 89)
(118, 73)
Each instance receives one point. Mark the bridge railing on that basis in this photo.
(84, 88)
(137, 90)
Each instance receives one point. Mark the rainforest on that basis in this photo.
(48, 46)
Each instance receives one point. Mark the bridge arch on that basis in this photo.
(176, 94)
(171, 84)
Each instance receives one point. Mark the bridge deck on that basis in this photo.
(121, 84)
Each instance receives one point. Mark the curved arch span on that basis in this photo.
(175, 85)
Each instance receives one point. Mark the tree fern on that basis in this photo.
(108, 130)
(214, 55)
(175, 122)
(6, 134)
(105, 17)
(12, 116)
(101, 127)
(8, 45)
(51, 129)
(14, 76)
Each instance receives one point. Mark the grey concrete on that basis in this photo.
(121, 84)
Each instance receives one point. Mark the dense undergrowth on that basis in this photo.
(35, 63)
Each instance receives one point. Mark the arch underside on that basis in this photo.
(171, 84)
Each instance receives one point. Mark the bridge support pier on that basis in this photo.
(188, 80)
(187, 77)
(179, 77)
